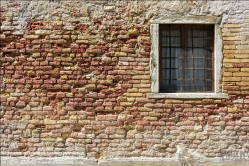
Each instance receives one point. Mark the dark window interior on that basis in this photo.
(186, 58)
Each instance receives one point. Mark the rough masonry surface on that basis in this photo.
(75, 77)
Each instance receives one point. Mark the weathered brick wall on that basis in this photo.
(74, 79)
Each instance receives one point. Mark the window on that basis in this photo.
(186, 58)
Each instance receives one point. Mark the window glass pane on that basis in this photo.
(187, 85)
(178, 63)
(179, 87)
(189, 32)
(175, 52)
(174, 32)
(168, 75)
(169, 63)
(205, 33)
(190, 42)
(198, 63)
(208, 74)
(208, 64)
(163, 74)
(205, 43)
(190, 53)
(205, 54)
(175, 41)
(197, 42)
(166, 83)
(208, 54)
(210, 42)
(165, 41)
(173, 74)
(198, 52)
(197, 33)
(173, 84)
(166, 63)
(208, 85)
(199, 74)
(179, 74)
(165, 52)
(189, 63)
(173, 62)
(198, 85)
(165, 33)
(188, 74)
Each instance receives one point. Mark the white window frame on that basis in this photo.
(154, 60)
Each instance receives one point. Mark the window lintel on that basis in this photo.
(186, 20)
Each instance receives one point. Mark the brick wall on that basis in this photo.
(75, 78)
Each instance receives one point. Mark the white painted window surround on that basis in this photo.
(154, 60)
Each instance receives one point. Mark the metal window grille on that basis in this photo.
(186, 58)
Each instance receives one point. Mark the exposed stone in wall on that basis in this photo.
(75, 74)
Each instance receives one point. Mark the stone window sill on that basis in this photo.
(187, 95)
